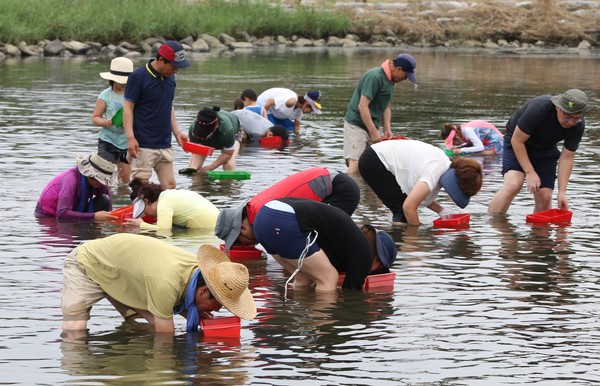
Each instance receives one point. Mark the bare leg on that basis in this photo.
(196, 161)
(512, 185)
(316, 268)
(543, 199)
(124, 172)
(353, 167)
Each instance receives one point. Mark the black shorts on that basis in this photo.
(110, 152)
(544, 163)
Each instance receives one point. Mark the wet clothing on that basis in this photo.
(70, 196)
(226, 135)
(153, 97)
(480, 136)
(538, 118)
(281, 232)
(318, 184)
(183, 208)
(137, 271)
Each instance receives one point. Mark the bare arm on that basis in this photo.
(365, 116)
(221, 160)
(266, 106)
(412, 202)
(97, 115)
(387, 122)
(565, 167)
(133, 147)
(179, 136)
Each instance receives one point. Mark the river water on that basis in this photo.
(501, 302)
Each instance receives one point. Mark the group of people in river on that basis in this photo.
(303, 221)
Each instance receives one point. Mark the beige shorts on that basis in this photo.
(356, 141)
(148, 160)
(80, 293)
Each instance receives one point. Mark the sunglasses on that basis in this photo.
(571, 118)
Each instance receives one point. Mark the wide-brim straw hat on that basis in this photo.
(98, 168)
(120, 69)
(227, 281)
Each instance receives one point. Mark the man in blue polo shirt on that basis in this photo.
(149, 115)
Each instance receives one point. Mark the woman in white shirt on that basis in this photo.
(406, 174)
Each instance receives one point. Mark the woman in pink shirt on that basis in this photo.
(81, 192)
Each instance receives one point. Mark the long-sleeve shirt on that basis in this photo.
(62, 195)
(338, 236)
(183, 208)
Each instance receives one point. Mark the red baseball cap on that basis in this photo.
(174, 53)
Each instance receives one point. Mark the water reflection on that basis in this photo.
(126, 356)
(501, 301)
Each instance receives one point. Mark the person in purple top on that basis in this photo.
(81, 192)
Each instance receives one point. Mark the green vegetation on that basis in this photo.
(110, 21)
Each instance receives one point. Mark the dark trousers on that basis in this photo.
(345, 193)
(382, 181)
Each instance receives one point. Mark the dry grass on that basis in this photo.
(546, 20)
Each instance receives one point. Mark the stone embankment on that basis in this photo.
(440, 11)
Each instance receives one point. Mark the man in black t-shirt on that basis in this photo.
(531, 153)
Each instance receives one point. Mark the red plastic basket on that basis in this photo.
(551, 216)
(274, 141)
(226, 327)
(123, 212)
(394, 138)
(374, 281)
(196, 148)
(242, 252)
(455, 221)
(381, 280)
(127, 212)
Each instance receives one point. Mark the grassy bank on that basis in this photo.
(111, 21)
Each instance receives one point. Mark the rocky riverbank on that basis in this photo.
(390, 20)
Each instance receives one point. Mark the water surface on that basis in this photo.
(502, 302)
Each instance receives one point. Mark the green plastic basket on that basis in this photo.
(228, 174)
(117, 119)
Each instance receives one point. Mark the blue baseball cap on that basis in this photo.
(408, 64)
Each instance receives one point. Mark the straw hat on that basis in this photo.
(120, 68)
(98, 168)
(227, 281)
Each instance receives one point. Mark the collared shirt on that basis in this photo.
(153, 97)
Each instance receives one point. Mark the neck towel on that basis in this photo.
(386, 68)
(189, 305)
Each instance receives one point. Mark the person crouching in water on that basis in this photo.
(315, 242)
(82, 192)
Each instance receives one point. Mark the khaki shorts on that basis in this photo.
(356, 140)
(148, 160)
(80, 293)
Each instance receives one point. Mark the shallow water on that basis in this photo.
(501, 302)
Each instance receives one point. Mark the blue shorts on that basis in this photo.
(287, 122)
(544, 163)
(279, 233)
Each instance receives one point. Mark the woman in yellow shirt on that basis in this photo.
(182, 208)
